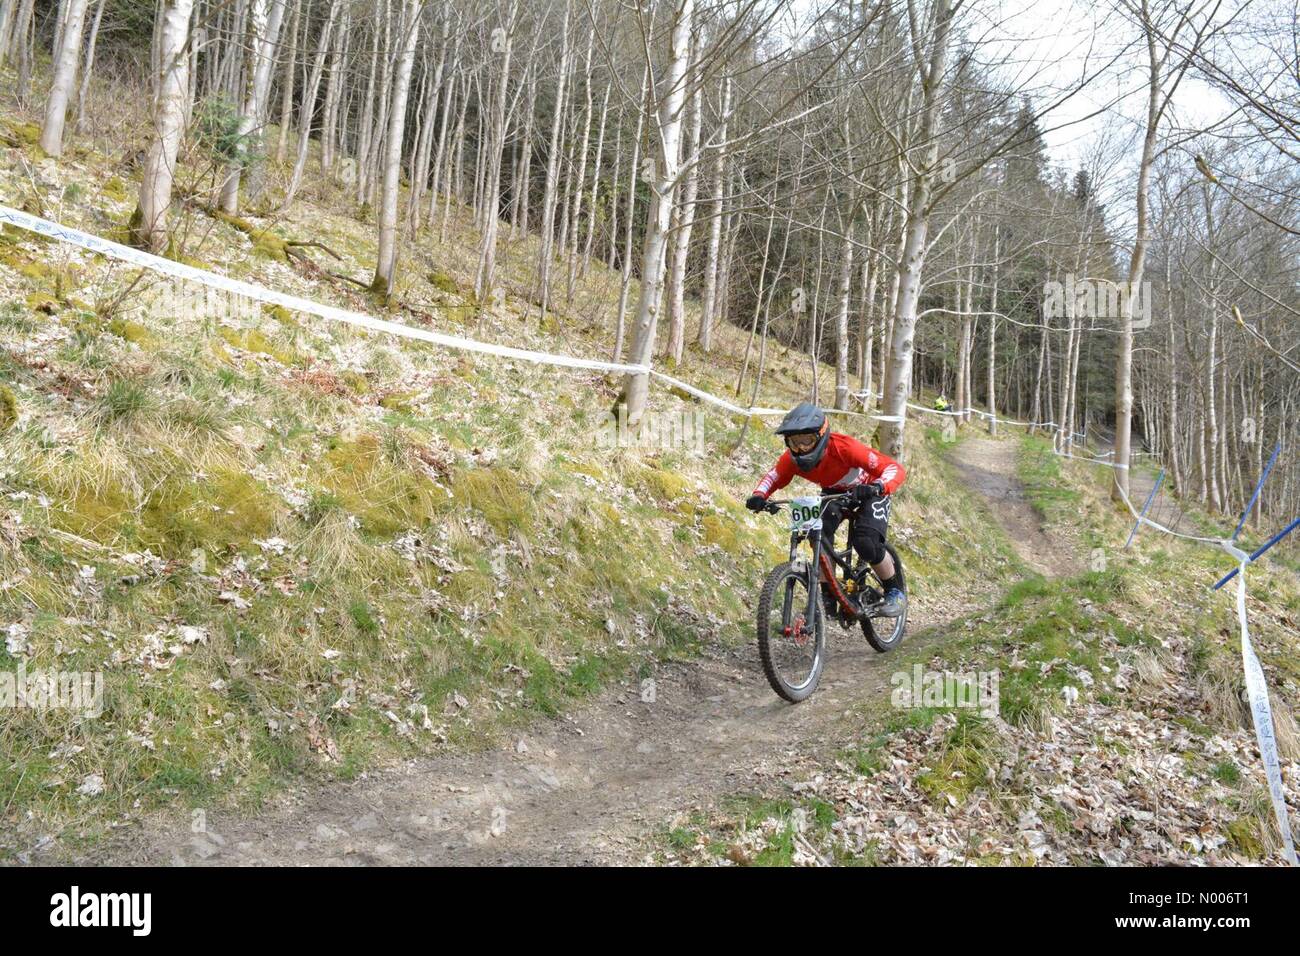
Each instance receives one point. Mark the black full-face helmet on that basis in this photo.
(807, 426)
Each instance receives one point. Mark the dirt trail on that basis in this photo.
(586, 788)
(989, 467)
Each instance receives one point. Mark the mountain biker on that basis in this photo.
(840, 463)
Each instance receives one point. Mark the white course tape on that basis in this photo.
(1096, 461)
(179, 270)
(1159, 527)
(1009, 421)
(986, 416)
(720, 402)
(1260, 711)
(935, 411)
(1256, 686)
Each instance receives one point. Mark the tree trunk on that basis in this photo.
(524, 168)
(634, 171)
(149, 224)
(592, 222)
(682, 239)
(308, 110)
(1036, 410)
(23, 48)
(579, 188)
(439, 155)
(386, 267)
(867, 330)
(711, 264)
(65, 76)
(899, 375)
(483, 286)
(993, 326)
(1137, 265)
(553, 170)
(264, 27)
(287, 81)
(842, 320)
(365, 131)
(8, 11)
(331, 135)
(88, 68)
(636, 388)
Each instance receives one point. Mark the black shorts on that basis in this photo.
(870, 527)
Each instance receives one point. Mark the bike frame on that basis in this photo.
(823, 560)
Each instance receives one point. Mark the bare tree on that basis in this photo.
(669, 128)
(386, 267)
(149, 223)
(65, 76)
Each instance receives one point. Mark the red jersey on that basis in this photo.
(846, 463)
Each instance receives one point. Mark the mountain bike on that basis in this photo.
(800, 595)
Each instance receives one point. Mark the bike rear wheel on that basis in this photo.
(792, 649)
(889, 633)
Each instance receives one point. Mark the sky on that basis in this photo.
(1056, 43)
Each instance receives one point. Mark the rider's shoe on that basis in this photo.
(893, 604)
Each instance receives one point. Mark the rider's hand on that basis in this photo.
(863, 494)
(756, 503)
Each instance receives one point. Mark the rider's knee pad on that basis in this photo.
(870, 544)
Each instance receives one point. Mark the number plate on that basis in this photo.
(806, 514)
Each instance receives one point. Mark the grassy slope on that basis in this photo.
(298, 550)
(1122, 736)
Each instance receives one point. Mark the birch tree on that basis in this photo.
(149, 222)
(65, 76)
(636, 387)
(386, 267)
(931, 65)
(264, 31)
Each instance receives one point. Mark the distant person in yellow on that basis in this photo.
(941, 404)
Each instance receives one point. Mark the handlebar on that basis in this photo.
(786, 501)
(774, 504)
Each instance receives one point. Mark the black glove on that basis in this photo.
(864, 494)
(755, 502)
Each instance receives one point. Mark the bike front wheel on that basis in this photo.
(792, 648)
